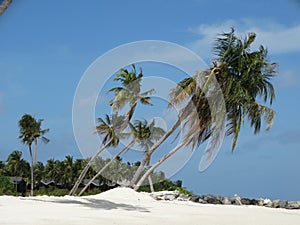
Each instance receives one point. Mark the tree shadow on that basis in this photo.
(94, 204)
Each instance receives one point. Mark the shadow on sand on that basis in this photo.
(93, 204)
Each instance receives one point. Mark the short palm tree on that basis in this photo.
(111, 128)
(144, 135)
(16, 166)
(30, 132)
(130, 91)
(244, 77)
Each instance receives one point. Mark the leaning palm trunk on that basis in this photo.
(106, 166)
(150, 183)
(164, 158)
(4, 5)
(86, 168)
(150, 179)
(150, 152)
(189, 109)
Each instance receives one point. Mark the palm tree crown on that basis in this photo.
(129, 92)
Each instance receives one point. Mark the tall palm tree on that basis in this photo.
(111, 128)
(130, 91)
(144, 135)
(4, 5)
(244, 77)
(30, 132)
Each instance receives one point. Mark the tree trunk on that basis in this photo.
(31, 171)
(150, 183)
(34, 152)
(150, 152)
(105, 166)
(86, 168)
(4, 5)
(164, 158)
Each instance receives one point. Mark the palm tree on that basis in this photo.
(129, 92)
(2, 168)
(67, 173)
(30, 132)
(16, 166)
(143, 134)
(111, 128)
(4, 5)
(39, 172)
(244, 78)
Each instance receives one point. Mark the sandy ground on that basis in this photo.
(123, 206)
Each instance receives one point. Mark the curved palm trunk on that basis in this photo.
(150, 179)
(106, 165)
(150, 183)
(164, 158)
(4, 5)
(150, 152)
(131, 111)
(86, 168)
(31, 171)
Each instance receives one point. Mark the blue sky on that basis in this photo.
(46, 46)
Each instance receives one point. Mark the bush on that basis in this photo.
(6, 187)
(182, 190)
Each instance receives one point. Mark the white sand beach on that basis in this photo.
(123, 206)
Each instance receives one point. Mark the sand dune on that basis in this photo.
(124, 206)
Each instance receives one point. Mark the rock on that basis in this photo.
(253, 202)
(170, 197)
(212, 199)
(226, 201)
(246, 201)
(267, 202)
(195, 198)
(201, 201)
(293, 205)
(236, 200)
(260, 202)
(165, 195)
(182, 197)
(279, 204)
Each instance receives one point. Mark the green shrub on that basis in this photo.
(6, 187)
(182, 190)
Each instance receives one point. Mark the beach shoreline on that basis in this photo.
(125, 206)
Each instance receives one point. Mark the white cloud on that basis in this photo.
(276, 37)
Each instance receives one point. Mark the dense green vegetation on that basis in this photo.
(62, 174)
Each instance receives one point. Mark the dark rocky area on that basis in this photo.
(216, 199)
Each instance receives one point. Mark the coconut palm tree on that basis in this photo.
(30, 132)
(111, 128)
(67, 173)
(4, 5)
(16, 166)
(51, 170)
(130, 91)
(144, 135)
(244, 77)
